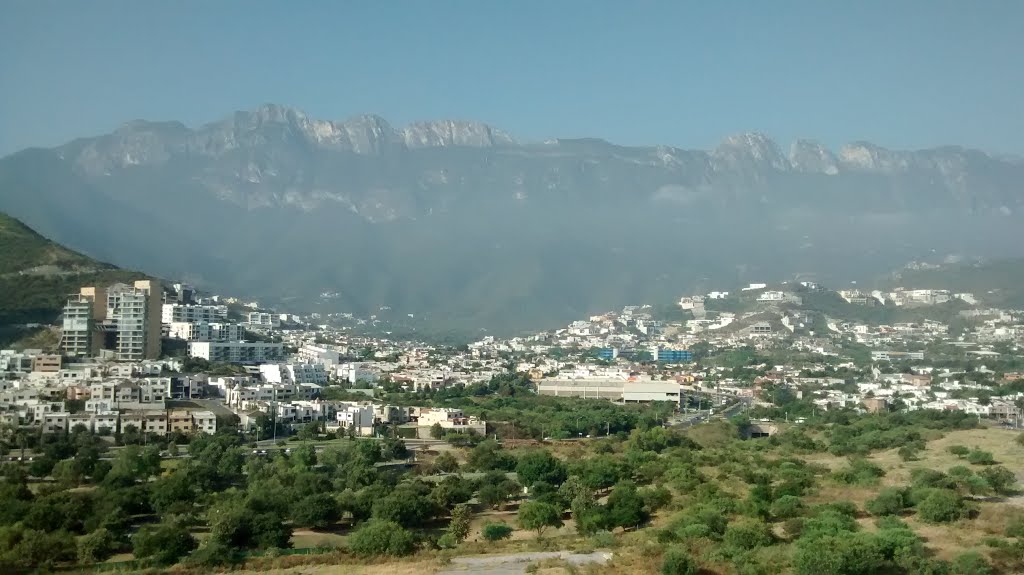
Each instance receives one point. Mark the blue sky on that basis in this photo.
(904, 74)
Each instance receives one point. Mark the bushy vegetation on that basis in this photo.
(721, 503)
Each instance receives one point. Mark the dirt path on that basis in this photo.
(516, 564)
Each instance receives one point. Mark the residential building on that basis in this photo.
(179, 421)
(319, 354)
(204, 421)
(120, 319)
(191, 313)
(46, 363)
(203, 331)
(236, 351)
(263, 320)
(78, 326)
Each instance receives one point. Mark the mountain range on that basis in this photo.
(467, 228)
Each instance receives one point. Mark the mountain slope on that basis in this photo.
(463, 226)
(36, 275)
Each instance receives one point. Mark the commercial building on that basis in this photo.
(671, 355)
(236, 351)
(648, 391)
(586, 388)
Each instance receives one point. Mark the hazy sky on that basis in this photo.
(899, 73)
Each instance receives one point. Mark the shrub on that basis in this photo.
(678, 562)
(216, 554)
(793, 527)
(826, 524)
(859, 472)
(931, 478)
(497, 531)
(842, 555)
(377, 537)
(787, 506)
(748, 534)
(889, 501)
(941, 506)
(979, 457)
(971, 563)
(960, 451)
(1015, 527)
(1001, 479)
(890, 522)
(604, 539)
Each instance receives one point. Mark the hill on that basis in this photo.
(996, 282)
(36, 276)
(465, 227)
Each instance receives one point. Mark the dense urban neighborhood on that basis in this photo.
(161, 402)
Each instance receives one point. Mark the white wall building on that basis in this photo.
(236, 351)
(177, 313)
(206, 331)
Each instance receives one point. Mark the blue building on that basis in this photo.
(608, 353)
(674, 355)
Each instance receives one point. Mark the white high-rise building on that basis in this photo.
(178, 313)
(206, 331)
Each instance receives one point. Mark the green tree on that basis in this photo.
(458, 527)
(317, 511)
(97, 546)
(1001, 479)
(625, 506)
(239, 527)
(537, 516)
(540, 465)
(165, 543)
(377, 537)
(436, 431)
(446, 463)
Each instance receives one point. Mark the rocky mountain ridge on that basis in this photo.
(460, 220)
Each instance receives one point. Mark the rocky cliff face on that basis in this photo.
(273, 202)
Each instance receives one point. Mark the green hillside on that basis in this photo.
(36, 276)
(24, 250)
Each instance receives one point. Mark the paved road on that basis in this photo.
(517, 563)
